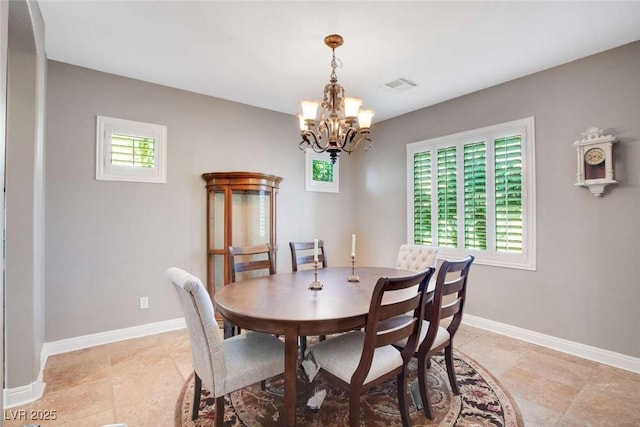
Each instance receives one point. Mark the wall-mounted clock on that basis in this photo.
(595, 160)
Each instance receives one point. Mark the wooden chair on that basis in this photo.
(302, 254)
(451, 282)
(222, 365)
(248, 260)
(360, 360)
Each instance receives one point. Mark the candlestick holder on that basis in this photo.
(353, 277)
(315, 285)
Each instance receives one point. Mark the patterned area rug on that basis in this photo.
(482, 402)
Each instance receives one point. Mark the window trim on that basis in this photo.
(527, 259)
(105, 127)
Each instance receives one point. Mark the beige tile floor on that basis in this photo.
(138, 381)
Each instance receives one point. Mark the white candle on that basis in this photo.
(315, 250)
(353, 245)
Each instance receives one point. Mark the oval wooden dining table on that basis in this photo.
(282, 304)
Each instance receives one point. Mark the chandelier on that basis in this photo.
(342, 125)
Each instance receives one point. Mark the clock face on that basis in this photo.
(594, 156)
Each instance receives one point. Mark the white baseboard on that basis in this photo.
(26, 394)
(596, 354)
(22, 395)
(92, 340)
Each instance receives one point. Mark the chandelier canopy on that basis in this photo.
(342, 125)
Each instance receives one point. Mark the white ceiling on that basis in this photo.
(271, 54)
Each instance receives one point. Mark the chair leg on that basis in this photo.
(354, 408)
(219, 411)
(448, 357)
(422, 383)
(229, 329)
(303, 345)
(403, 406)
(197, 388)
(263, 385)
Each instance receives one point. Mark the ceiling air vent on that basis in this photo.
(401, 84)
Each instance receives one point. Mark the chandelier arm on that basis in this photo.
(362, 137)
(318, 149)
(313, 139)
(323, 133)
(348, 145)
(308, 138)
(317, 146)
(370, 145)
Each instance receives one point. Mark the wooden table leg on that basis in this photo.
(290, 374)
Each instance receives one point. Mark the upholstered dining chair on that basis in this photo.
(302, 254)
(359, 360)
(446, 302)
(416, 257)
(250, 261)
(223, 366)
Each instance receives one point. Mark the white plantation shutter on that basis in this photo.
(422, 198)
(447, 198)
(474, 193)
(508, 193)
(131, 150)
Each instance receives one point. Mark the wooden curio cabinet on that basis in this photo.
(241, 211)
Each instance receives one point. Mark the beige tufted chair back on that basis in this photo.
(416, 257)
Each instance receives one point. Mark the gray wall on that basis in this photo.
(108, 243)
(4, 31)
(20, 197)
(587, 284)
(24, 271)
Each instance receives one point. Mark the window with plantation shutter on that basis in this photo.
(474, 193)
(127, 150)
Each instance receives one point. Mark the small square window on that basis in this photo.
(130, 151)
(321, 174)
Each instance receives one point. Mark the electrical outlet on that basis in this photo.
(144, 302)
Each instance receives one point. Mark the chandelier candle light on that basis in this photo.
(342, 125)
(315, 285)
(353, 277)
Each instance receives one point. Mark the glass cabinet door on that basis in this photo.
(251, 211)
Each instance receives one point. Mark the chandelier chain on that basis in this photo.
(335, 63)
